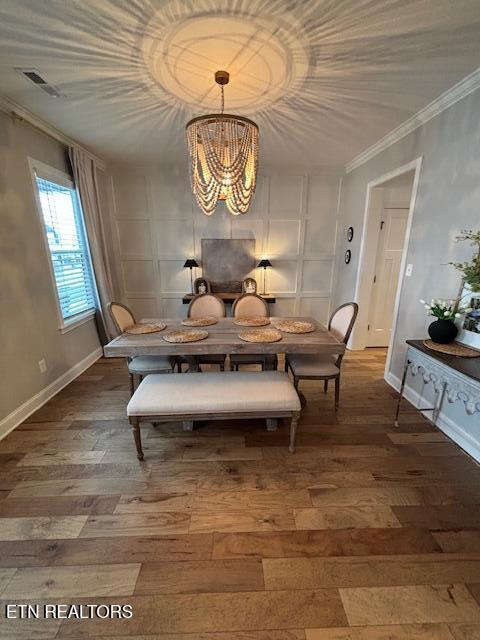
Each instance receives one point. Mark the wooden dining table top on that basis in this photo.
(223, 338)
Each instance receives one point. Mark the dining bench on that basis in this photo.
(214, 396)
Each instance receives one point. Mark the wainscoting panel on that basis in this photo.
(144, 307)
(293, 219)
(139, 276)
(135, 239)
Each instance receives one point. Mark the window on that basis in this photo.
(67, 243)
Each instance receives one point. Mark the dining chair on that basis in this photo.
(324, 367)
(251, 304)
(206, 304)
(139, 365)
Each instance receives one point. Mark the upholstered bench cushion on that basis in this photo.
(146, 364)
(214, 392)
(313, 365)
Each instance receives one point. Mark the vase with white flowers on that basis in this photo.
(443, 329)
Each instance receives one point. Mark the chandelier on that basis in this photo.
(224, 158)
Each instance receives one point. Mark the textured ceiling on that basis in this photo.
(324, 79)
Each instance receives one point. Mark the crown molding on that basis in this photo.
(460, 90)
(16, 110)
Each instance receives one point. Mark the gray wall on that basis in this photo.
(28, 315)
(156, 225)
(448, 200)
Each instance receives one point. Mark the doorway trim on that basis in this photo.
(369, 244)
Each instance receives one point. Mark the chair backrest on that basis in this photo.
(250, 305)
(342, 321)
(206, 305)
(121, 316)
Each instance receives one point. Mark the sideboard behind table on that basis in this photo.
(454, 378)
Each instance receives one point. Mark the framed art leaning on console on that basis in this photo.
(469, 325)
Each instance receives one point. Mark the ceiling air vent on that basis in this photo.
(34, 76)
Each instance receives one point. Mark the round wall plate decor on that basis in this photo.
(350, 234)
(348, 256)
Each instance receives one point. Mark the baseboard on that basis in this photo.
(450, 428)
(39, 399)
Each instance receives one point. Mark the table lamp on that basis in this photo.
(263, 264)
(191, 263)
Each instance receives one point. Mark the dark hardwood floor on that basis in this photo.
(366, 533)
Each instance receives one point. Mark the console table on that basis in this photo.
(454, 378)
(230, 297)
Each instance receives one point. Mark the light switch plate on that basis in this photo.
(42, 365)
(409, 270)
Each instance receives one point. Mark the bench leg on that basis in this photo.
(272, 424)
(137, 438)
(187, 425)
(293, 430)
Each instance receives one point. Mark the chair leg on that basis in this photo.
(293, 430)
(325, 386)
(296, 380)
(222, 367)
(337, 392)
(286, 364)
(132, 384)
(137, 437)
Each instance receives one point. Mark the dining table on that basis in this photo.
(223, 338)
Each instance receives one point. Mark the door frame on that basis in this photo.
(369, 243)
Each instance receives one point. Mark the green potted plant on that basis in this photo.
(443, 329)
(470, 270)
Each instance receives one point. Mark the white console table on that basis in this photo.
(454, 379)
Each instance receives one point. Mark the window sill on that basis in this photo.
(77, 321)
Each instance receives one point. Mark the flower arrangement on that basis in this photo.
(445, 309)
(470, 270)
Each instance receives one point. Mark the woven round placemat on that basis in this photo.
(260, 335)
(185, 335)
(199, 322)
(294, 326)
(252, 321)
(452, 349)
(147, 327)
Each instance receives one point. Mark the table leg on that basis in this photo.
(193, 366)
(402, 387)
(269, 363)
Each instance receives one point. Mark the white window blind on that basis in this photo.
(65, 233)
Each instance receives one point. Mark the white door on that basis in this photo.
(387, 269)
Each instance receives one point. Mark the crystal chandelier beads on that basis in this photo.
(224, 158)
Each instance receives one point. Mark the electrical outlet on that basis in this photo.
(42, 365)
(409, 270)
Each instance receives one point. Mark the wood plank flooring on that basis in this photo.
(366, 533)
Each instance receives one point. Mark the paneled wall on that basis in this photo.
(157, 225)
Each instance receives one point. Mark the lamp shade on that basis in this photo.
(264, 263)
(191, 262)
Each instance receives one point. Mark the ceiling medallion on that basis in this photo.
(224, 158)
